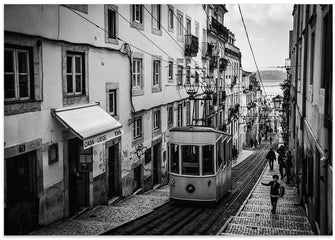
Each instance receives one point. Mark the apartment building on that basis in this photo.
(90, 93)
(310, 130)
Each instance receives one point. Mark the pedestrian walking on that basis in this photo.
(288, 165)
(259, 139)
(270, 140)
(255, 143)
(281, 163)
(271, 157)
(251, 143)
(234, 153)
(274, 192)
(281, 149)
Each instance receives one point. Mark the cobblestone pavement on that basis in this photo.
(103, 218)
(255, 218)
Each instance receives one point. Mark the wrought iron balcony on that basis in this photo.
(219, 29)
(191, 45)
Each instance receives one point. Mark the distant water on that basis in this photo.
(272, 87)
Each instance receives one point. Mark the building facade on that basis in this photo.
(310, 131)
(99, 86)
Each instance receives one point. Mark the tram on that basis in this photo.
(200, 166)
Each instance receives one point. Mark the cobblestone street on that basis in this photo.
(103, 218)
(255, 218)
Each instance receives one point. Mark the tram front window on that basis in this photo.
(174, 158)
(190, 160)
(208, 160)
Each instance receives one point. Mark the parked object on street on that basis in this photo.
(274, 191)
(271, 157)
(200, 163)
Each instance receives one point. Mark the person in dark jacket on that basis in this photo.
(288, 166)
(274, 191)
(251, 143)
(271, 157)
(234, 153)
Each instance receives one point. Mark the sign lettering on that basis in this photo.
(89, 142)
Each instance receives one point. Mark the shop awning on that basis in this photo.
(89, 122)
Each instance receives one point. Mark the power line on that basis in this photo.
(253, 55)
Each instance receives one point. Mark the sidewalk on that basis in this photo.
(103, 218)
(255, 218)
(242, 155)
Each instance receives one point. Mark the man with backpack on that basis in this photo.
(276, 191)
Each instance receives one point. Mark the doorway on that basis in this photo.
(78, 177)
(22, 205)
(113, 171)
(156, 163)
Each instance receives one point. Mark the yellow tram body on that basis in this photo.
(199, 163)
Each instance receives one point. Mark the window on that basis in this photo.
(170, 70)
(170, 17)
(188, 72)
(170, 115)
(196, 109)
(180, 75)
(188, 113)
(112, 102)
(156, 73)
(157, 120)
(138, 127)
(180, 115)
(137, 73)
(137, 13)
(111, 24)
(197, 29)
(174, 153)
(156, 17)
(188, 26)
(180, 27)
(17, 72)
(190, 160)
(75, 83)
(208, 160)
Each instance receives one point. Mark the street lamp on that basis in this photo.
(277, 101)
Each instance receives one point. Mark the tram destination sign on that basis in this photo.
(89, 142)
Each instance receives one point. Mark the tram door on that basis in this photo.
(156, 163)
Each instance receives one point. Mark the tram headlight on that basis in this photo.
(190, 188)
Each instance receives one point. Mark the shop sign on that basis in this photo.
(89, 142)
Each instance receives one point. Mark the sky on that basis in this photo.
(268, 28)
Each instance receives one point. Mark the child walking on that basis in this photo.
(274, 191)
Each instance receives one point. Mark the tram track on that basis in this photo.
(175, 218)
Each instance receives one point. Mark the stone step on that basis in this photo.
(295, 211)
(269, 215)
(272, 223)
(236, 229)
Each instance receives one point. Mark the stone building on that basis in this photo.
(310, 109)
(90, 93)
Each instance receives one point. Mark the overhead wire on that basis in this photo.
(253, 55)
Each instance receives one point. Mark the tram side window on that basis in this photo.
(208, 160)
(190, 160)
(219, 158)
(174, 153)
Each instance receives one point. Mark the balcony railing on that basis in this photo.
(191, 45)
(219, 29)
